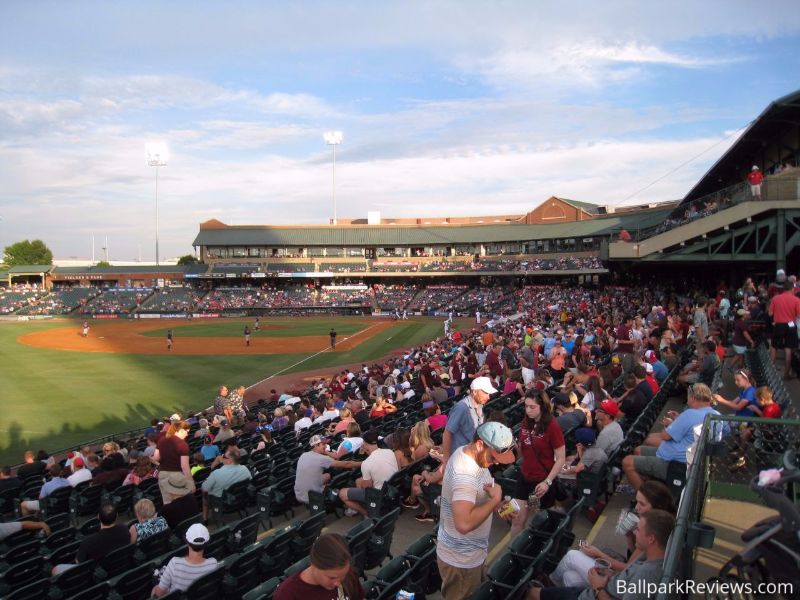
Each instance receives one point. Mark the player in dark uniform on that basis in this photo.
(246, 335)
(333, 338)
(169, 340)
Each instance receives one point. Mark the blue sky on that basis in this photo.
(447, 108)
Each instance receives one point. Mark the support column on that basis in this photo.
(780, 240)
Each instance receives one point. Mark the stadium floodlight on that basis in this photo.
(157, 156)
(333, 139)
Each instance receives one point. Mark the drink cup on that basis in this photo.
(602, 566)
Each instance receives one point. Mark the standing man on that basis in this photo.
(784, 308)
(478, 317)
(333, 338)
(754, 178)
(246, 335)
(257, 326)
(447, 328)
(466, 416)
(85, 328)
(469, 496)
(169, 340)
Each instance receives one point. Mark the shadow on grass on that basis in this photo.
(71, 435)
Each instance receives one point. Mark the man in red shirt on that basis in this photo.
(784, 310)
(625, 342)
(754, 178)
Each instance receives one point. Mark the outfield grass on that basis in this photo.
(284, 328)
(54, 399)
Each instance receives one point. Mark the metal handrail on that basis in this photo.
(677, 561)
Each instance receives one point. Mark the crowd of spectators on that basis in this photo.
(113, 301)
(434, 297)
(173, 299)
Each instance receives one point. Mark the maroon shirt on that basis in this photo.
(624, 341)
(170, 450)
(538, 451)
(294, 588)
(493, 362)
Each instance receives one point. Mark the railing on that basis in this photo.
(721, 468)
(773, 189)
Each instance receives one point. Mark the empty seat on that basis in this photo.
(97, 592)
(264, 591)
(242, 572)
(304, 535)
(380, 543)
(133, 584)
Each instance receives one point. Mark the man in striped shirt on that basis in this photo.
(181, 572)
(469, 496)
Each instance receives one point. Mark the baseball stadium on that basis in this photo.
(616, 324)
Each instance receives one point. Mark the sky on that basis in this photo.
(447, 108)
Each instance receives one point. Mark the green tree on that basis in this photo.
(103, 263)
(28, 252)
(187, 259)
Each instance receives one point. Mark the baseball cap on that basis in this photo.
(609, 407)
(648, 368)
(755, 168)
(741, 312)
(650, 356)
(77, 462)
(780, 275)
(316, 439)
(223, 422)
(585, 436)
(615, 360)
(370, 437)
(499, 439)
(197, 535)
(175, 418)
(483, 384)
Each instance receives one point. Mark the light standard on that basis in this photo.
(157, 156)
(333, 139)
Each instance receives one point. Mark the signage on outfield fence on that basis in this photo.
(258, 275)
(206, 315)
(173, 316)
(105, 316)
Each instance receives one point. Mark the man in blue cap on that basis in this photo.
(469, 497)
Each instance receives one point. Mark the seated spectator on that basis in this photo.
(346, 417)
(745, 404)
(569, 416)
(703, 369)
(435, 419)
(330, 574)
(379, 466)
(279, 421)
(31, 466)
(611, 434)
(12, 527)
(180, 503)
(110, 475)
(9, 481)
(58, 480)
(651, 459)
(112, 535)
(209, 450)
(633, 401)
(381, 408)
(310, 474)
(305, 419)
(401, 446)
(113, 451)
(144, 469)
(652, 534)
(420, 440)
(359, 413)
(152, 444)
(574, 567)
(148, 523)
(79, 472)
(225, 432)
(221, 479)
(181, 572)
(199, 463)
(351, 443)
(203, 430)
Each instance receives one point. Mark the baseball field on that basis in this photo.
(60, 389)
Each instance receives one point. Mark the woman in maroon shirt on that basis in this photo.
(172, 457)
(329, 577)
(541, 444)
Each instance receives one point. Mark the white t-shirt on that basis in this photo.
(79, 476)
(352, 444)
(303, 423)
(463, 480)
(379, 466)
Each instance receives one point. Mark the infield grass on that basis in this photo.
(55, 399)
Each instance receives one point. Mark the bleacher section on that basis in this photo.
(60, 302)
(13, 300)
(115, 302)
(172, 299)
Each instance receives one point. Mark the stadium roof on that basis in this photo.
(218, 234)
(771, 138)
(121, 269)
(29, 269)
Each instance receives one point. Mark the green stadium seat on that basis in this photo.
(263, 591)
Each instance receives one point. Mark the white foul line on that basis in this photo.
(326, 349)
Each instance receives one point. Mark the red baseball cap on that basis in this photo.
(609, 407)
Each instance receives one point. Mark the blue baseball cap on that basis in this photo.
(500, 441)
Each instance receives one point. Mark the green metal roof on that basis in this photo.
(29, 269)
(122, 270)
(390, 236)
